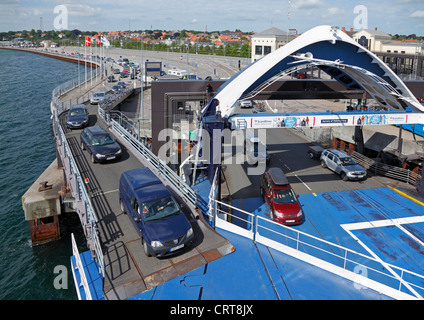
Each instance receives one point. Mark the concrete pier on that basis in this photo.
(42, 205)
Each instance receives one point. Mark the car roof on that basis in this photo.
(96, 130)
(339, 153)
(78, 106)
(278, 177)
(140, 178)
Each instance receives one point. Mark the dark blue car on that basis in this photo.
(157, 217)
(100, 144)
(77, 117)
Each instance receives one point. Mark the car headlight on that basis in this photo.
(277, 213)
(189, 232)
(299, 214)
(119, 151)
(98, 155)
(156, 244)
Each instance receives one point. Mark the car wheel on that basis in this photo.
(311, 155)
(343, 176)
(146, 251)
(121, 204)
(323, 164)
(82, 146)
(93, 159)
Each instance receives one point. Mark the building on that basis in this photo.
(371, 39)
(405, 58)
(268, 41)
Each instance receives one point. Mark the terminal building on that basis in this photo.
(270, 40)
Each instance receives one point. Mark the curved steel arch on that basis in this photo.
(329, 49)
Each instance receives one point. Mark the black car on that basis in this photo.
(100, 144)
(122, 84)
(116, 89)
(77, 117)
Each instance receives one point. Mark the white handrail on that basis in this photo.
(80, 268)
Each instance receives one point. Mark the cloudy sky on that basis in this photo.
(394, 16)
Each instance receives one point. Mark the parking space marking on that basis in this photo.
(98, 193)
(303, 182)
(349, 227)
(385, 223)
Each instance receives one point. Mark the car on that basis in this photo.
(77, 117)
(100, 144)
(116, 71)
(122, 84)
(154, 212)
(342, 163)
(246, 104)
(124, 74)
(256, 150)
(280, 197)
(98, 97)
(111, 79)
(116, 89)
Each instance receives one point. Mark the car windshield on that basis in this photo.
(159, 208)
(102, 139)
(348, 161)
(77, 112)
(284, 196)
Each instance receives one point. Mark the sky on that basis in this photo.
(394, 16)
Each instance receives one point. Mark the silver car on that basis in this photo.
(97, 97)
(342, 163)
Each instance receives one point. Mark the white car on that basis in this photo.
(246, 104)
(97, 97)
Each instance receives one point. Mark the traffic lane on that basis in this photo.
(289, 152)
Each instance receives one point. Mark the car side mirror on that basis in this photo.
(297, 196)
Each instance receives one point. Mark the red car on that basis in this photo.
(280, 197)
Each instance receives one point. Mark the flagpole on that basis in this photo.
(91, 59)
(85, 58)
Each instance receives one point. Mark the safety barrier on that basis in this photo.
(84, 207)
(80, 268)
(387, 170)
(380, 276)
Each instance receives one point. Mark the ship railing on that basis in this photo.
(80, 268)
(363, 270)
(85, 210)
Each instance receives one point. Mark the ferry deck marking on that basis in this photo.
(349, 227)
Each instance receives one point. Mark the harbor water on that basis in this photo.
(27, 148)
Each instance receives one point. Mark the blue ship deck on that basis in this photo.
(366, 221)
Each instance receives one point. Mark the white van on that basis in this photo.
(177, 72)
